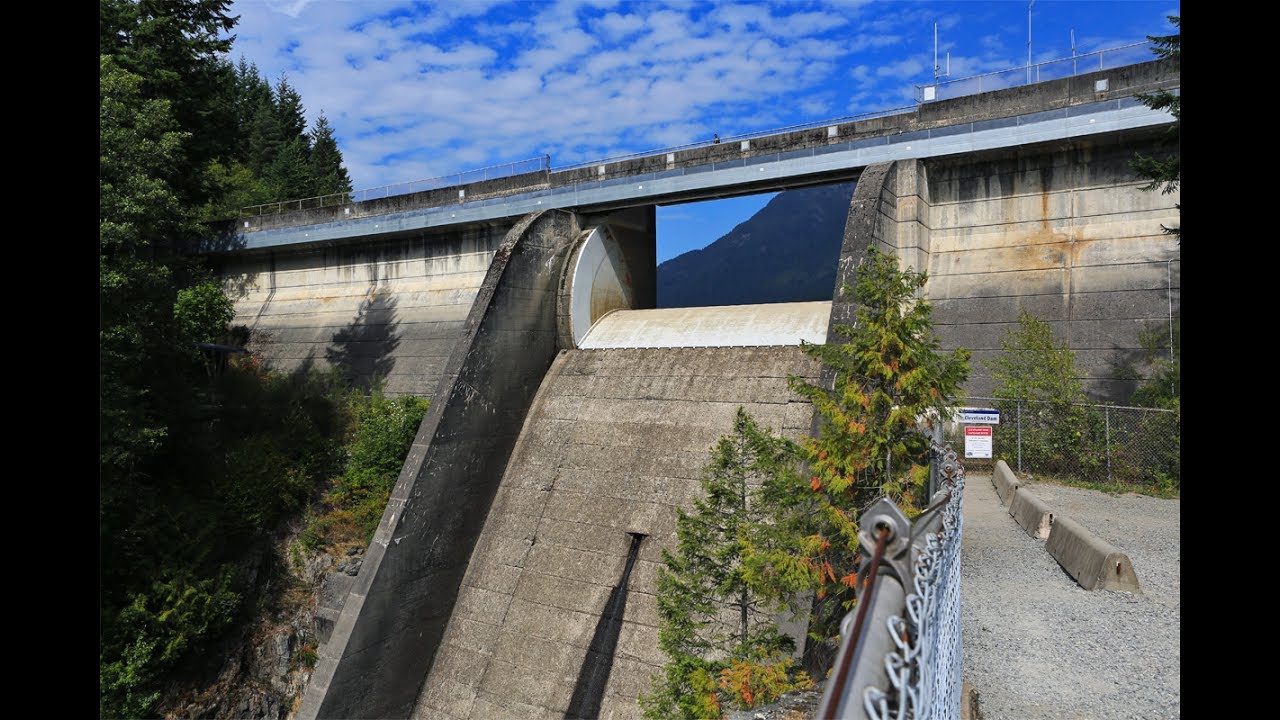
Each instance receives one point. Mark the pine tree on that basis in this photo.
(713, 619)
(327, 173)
(887, 374)
(1165, 173)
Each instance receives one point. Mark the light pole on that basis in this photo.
(1033, 2)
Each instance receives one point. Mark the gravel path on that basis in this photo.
(1037, 646)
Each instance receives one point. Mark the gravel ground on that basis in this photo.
(1037, 646)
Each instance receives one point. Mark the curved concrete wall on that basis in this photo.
(387, 634)
(598, 282)
(614, 443)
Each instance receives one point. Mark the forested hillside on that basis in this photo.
(204, 465)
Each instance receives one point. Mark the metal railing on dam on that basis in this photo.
(539, 167)
(1054, 111)
(1130, 54)
(542, 163)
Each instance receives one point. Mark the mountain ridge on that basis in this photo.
(785, 252)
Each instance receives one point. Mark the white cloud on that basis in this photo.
(911, 68)
(416, 90)
(615, 27)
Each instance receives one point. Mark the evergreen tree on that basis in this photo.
(193, 467)
(327, 172)
(887, 374)
(290, 115)
(140, 215)
(266, 138)
(175, 48)
(713, 619)
(145, 369)
(1165, 173)
(252, 91)
(289, 175)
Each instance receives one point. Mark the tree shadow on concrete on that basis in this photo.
(299, 373)
(363, 350)
(1126, 372)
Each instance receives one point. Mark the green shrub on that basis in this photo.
(381, 431)
(152, 633)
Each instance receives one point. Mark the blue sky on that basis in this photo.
(422, 89)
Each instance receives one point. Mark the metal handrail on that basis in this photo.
(737, 138)
(545, 159)
(1012, 68)
(544, 163)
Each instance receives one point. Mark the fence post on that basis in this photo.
(934, 457)
(1019, 434)
(1106, 414)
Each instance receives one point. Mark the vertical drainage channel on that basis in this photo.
(588, 692)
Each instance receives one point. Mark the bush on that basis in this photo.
(263, 444)
(381, 431)
(1060, 435)
(153, 632)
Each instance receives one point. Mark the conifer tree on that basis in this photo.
(175, 47)
(1165, 173)
(888, 374)
(716, 626)
(290, 115)
(289, 175)
(327, 172)
(266, 138)
(252, 91)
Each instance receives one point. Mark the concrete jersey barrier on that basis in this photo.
(1031, 513)
(1005, 481)
(1090, 560)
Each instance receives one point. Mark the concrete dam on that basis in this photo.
(512, 574)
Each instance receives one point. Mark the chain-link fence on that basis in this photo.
(901, 653)
(1096, 443)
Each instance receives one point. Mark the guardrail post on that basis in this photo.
(935, 457)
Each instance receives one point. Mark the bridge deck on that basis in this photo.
(1036, 645)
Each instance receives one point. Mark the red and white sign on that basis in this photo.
(977, 441)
